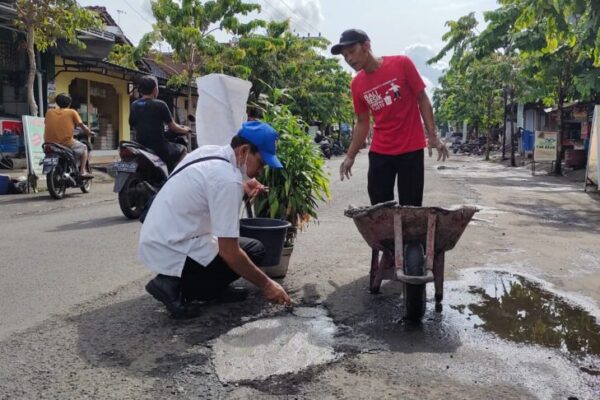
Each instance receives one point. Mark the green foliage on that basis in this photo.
(187, 27)
(458, 38)
(128, 56)
(296, 190)
(54, 19)
(44, 22)
(549, 50)
(473, 95)
(318, 88)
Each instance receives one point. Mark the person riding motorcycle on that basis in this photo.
(149, 116)
(59, 124)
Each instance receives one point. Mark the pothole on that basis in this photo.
(275, 346)
(522, 310)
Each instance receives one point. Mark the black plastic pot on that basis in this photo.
(270, 232)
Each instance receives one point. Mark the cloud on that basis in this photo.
(305, 15)
(419, 54)
(456, 5)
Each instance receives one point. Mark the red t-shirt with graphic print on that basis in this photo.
(390, 93)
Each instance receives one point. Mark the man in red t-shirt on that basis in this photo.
(390, 90)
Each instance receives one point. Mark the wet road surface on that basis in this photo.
(520, 317)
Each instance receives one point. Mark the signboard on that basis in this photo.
(33, 127)
(11, 127)
(593, 167)
(545, 146)
(11, 132)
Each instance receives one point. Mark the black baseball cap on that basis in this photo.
(349, 37)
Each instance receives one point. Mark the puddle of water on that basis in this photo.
(523, 311)
(275, 346)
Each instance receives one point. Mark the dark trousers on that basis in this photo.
(408, 169)
(205, 283)
(171, 154)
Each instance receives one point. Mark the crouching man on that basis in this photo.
(191, 233)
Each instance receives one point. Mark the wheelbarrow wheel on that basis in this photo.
(414, 295)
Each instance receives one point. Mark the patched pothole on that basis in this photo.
(275, 346)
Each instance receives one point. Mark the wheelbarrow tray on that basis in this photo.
(401, 233)
(376, 224)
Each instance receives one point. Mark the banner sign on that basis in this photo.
(545, 146)
(593, 166)
(33, 127)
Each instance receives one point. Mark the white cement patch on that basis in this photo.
(275, 346)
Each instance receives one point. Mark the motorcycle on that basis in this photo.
(324, 145)
(140, 174)
(337, 148)
(61, 167)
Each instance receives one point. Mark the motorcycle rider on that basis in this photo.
(59, 124)
(149, 116)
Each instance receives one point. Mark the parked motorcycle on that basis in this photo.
(61, 167)
(324, 145)
(337, 148)
(140, 174)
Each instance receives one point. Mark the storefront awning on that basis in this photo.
(75, 64)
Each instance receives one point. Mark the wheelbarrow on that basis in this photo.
(413, 242)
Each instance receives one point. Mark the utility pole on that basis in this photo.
(505, 94)
(513, 162)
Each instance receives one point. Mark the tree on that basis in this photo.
(128, 56)
(459, 39)
(46, 21)
(568, 50)
(551, 51)
(187, 26)
(316, 87)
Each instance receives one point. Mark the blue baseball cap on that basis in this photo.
(263, 136)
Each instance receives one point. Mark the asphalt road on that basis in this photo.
(56, 254)
(520, 317)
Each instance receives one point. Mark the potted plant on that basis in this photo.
(295, 191)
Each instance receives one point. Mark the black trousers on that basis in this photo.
(205, 283)
(409, 170)
(171, 153)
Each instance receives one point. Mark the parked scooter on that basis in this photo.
(61, 167)
(337, 148)
(324, 145)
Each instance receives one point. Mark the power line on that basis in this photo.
(300, 21)
(138, 13)
(304, 19)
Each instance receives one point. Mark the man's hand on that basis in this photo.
(442, 150)
(253, 188)
(276, 294)
(346, 168)
(185, 130)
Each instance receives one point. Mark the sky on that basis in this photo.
(411, 27)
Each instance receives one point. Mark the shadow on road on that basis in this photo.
(139, 338)
(29, 198)
(554, 215)
(379, 316)
(94, 223)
